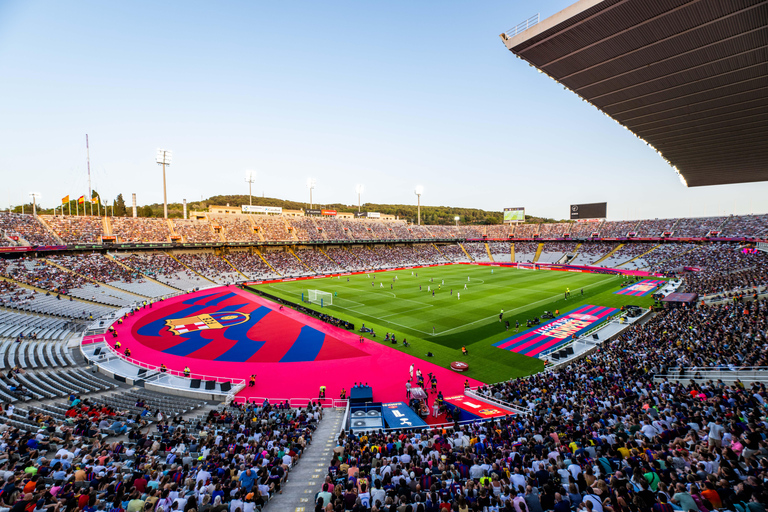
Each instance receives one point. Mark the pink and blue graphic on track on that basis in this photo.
(222, 326)
(641, 288)
(557, 331)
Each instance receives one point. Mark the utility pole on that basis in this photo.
(88, 160)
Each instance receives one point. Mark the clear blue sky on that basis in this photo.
(388, 94)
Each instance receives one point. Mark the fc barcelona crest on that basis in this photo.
(179, 326)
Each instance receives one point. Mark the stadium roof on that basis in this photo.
(689, 77)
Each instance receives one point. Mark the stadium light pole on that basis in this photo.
(34, 196)
(311, 186)
(164, 158)
(419, 190)
(456, 218)
(250, 178)
(359, 189)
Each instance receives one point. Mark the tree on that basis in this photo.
(146, 211)
(119, 206)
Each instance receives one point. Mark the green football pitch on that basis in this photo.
(443, 323)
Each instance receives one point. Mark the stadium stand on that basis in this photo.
(526, 230)
(74, 230)
(285, 263)
(194, 231)
(501, 251)
(317, 261)
(161, 267)
(525, 251)
(26, 227)
(584, 229)
(210, 266)
(588, 253)
(612, 229)
(656, 227)
(238, 228)
(141, 229)
(272, 228)
(251, 265)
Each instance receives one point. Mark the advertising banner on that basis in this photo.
(399, 415)
(246, 208)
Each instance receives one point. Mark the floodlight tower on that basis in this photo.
(35, 196)
(164, 158)
(456, 218)
(419, 190)
(359, 189)
(250, 179)
(311, 182)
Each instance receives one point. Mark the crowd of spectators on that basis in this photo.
(251, 265)
(444, 231)
(655, 228)
(346, 259)
(140, 229)
(285, 263)
(606, 432)
(96, 267)
(192, 231)
(499, 230)
(23, 226)
(584, 229)
(525, 251)
(477, 250)
(333, 229)
(698, 227)
(745, 226)
(209, 265)
(472, 232)
(76, 230)
(238, 228)
(619, 228)
(554, 230)
(38, 273)
(306, 229)
(272, 227)
(159, 266)
(317, 261)
(526, 230)
(718, 267)
(501, 251)
(590, 252)
(453, 252)
(137, 459)
(655, 259)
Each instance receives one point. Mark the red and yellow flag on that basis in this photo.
(81, 199)
(65, 199)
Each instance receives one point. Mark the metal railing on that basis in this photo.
(573, 340)
(293, 402)
(523, 25)
(495, 401)
(175, 373)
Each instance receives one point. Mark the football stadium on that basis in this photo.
(245, 352)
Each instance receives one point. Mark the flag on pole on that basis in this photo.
(95, 200)
(65, 199)
(81, 199)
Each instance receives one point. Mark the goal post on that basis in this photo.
(527, 266)
(320, 297)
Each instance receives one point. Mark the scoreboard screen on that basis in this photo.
(589, 211)
(514, 215)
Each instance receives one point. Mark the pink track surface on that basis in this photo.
(383, 368)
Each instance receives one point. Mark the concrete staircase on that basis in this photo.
(307, 477)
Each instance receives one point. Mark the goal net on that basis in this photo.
(527, 266)
(316, 296)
